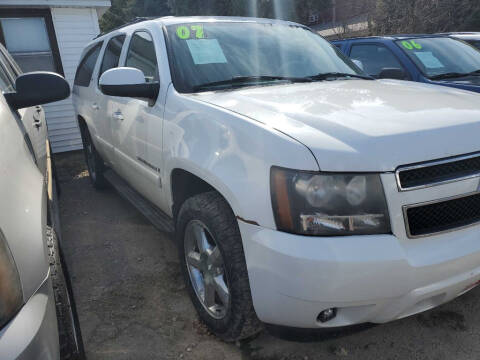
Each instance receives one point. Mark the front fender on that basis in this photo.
(230, 152)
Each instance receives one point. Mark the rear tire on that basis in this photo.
(70, 338)
(95, 163)
(229, 312)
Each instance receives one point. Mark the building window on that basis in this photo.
(30, 39)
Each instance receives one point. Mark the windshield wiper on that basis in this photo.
(449, 75)
(247, 80)
(336, 75)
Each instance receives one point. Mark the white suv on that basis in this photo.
(303, 192)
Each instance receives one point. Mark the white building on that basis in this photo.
(50, 35)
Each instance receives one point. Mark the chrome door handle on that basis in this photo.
(118, 116)
(37, 121)
(95, 106)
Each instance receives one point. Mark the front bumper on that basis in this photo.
(367, 278)
(33, 332)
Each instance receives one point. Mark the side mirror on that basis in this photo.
(392, 73)
(359, 64)
(37, 88)
(128, 82)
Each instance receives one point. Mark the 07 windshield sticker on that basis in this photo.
(206, 51)
(190, 32)
(411, 45)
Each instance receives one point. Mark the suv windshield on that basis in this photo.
(475, 43)
(442, 58)
(214, 56)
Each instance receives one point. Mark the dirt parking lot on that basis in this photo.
(132, 303)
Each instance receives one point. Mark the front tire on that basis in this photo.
(213, 264)
(95, 164)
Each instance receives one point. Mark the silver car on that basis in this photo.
(37, 320)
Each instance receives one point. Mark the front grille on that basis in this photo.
(442, 171)
(443, 216)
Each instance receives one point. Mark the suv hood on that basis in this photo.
(363, 125)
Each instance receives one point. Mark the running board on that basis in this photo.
(156, 216)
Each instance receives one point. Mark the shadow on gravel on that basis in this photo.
(132, 301)
(314, 335)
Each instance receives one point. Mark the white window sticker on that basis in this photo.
(206, 51)
(429, 60)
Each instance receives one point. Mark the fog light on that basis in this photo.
(327, 315)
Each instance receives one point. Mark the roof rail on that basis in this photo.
(134, 21)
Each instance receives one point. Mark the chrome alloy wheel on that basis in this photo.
(206, 269)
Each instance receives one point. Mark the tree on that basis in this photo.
(424, 16)
(124, 11)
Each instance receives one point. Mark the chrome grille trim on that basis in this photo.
(407, 207)
(434, 163)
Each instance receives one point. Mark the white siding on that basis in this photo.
(74, 28)
(51, 3)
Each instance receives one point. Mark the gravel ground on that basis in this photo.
(132, 302)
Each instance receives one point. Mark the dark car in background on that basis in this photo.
(431, 59)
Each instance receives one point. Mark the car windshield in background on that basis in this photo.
(442, 58)
(475, 43)
(215, 56)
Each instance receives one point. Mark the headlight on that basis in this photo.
(328, 204)
(11, 297)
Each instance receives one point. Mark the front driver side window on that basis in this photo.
(375, 58)
(141, 55)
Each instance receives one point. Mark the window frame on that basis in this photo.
(52, 37)
(129, 45)
(9, 66)
(3, 68)
(99, 45)
(404, 68)
(104, 52)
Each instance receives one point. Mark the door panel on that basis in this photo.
(130, 123)
(87, 99)
(110, 60)
(33, 119)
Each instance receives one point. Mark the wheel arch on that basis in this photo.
(185, 184)
(82, 123)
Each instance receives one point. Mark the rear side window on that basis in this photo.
(85, 69)
(141, 55)
(111, 57)
(375, 58)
